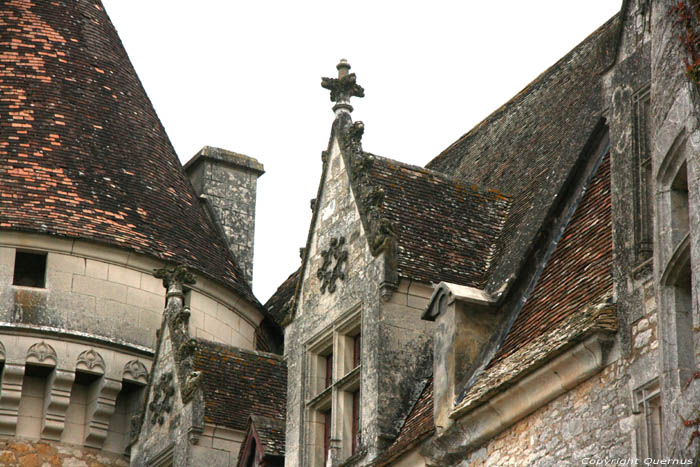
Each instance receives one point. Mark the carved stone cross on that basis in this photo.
(343, 87)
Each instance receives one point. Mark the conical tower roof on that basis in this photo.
(82, 151)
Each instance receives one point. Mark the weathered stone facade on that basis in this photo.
(356, 297)
(35, 454)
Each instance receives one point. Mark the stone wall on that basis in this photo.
(406, 355)
(217, 447)
(675, 104)
(166, 427)
(21, 453)
(70, 390)
(215, 321)
(108, 292)
(594, 421)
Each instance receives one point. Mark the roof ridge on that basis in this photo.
(476, 188)
(531, 86)
(240, 350)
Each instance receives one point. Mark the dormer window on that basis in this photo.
(30, 269)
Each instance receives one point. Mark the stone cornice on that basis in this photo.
(473, 426)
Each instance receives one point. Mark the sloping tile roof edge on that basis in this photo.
(599, 316)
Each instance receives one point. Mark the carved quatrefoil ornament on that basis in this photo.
(327, 274)
(161, 404)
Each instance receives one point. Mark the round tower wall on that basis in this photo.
(110, 293)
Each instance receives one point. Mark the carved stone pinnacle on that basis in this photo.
(174, 278)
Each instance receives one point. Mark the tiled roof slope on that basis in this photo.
(82, 152)
(569, 302)
(596, 317)
(446, 229)
(239, 383)
(528, 147)
(579, 271)
(276, 305)
(418, 425)
(270, 433)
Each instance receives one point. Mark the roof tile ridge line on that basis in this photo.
(490, 349)
(179, 165)
(336, 128)
(380, 232)
(493, 248)
(532, 85)
(592, 314)
(620, 33)
(476, 188)
(589, 314)
(258, 353)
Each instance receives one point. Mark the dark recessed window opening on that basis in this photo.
(30, 269)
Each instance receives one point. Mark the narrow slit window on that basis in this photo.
(355, 420)
(329, 370)
(326, 435)
(357, 347)
(30, 269)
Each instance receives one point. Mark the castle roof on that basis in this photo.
(83, 153)
(238, 383)
(278, 304)
(569, 303)
(446, 229)
(419, 424)
(530, 146)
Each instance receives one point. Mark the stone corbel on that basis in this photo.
(56, 401)
(102, 399)
(10, 395)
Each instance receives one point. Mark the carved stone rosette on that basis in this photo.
(161, 404)
(336, 256)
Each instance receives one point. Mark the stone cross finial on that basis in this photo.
(343, 87)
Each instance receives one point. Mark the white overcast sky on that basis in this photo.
(245, 76)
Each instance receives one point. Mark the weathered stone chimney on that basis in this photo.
(226, 183)
(465, 321)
